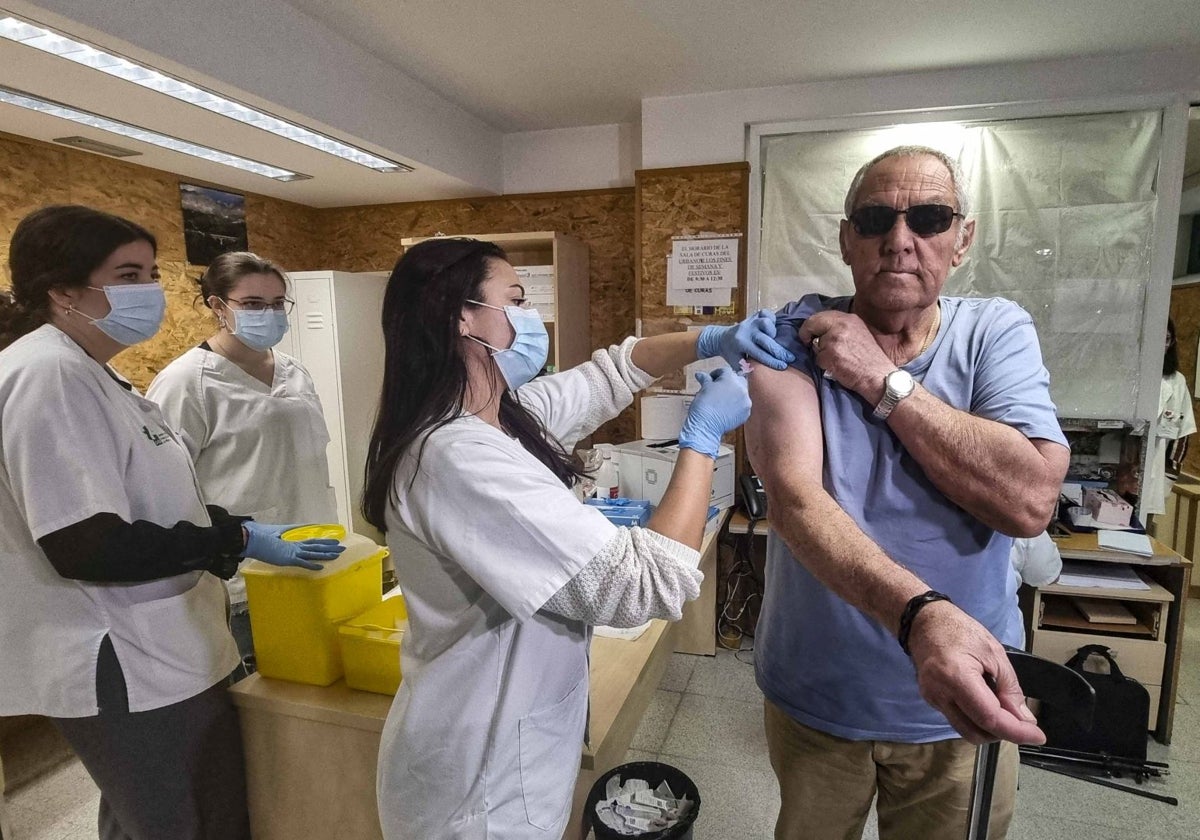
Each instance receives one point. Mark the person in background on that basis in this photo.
(248, 414)
(1036, 561)
(503, 570)
(1176, 421)
(911, 440)
(111, 611)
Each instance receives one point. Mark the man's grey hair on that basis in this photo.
(961, 197)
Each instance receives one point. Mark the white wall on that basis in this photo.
(586, 158)
(711, 128)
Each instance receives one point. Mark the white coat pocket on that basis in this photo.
(184, 638)
(551, 742)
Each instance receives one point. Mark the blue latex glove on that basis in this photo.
(753, 338)
(722, 405)
(263, 543)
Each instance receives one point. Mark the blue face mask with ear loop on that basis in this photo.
(260, 330)
(135, 312)
(530, 348)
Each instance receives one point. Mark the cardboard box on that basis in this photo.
(1107, 508)
(646, 468)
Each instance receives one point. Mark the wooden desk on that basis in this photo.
(739, 523)
(311, 751)
(1170, 571)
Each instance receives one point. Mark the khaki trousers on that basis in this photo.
(827, 784)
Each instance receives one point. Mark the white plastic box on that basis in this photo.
(646, 468)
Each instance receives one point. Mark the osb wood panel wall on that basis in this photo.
(685, 201)
(1185, 312)
(34, 174)
(368, 239)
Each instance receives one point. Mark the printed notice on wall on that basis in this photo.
(702, 271)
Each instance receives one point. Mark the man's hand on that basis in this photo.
(847, 351)
(964, 673)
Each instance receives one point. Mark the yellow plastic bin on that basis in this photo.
(294, 612)
(371, 646)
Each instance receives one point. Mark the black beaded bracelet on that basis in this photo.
(911, 609)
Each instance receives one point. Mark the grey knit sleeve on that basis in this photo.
(637, 576)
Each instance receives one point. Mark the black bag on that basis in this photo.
(1122, 713)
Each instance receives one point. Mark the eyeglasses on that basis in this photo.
(260, 305)
(922, 219)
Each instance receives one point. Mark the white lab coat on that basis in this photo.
(73, 443)
(259, 451)
(484, 737)
(1175, 420)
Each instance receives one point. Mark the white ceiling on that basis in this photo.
(491, 68)
(534, 64)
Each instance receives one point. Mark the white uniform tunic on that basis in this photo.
(76, 443)
(259, 450)
(1175, 420)
(484, 737)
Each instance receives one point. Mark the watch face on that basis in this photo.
(900, 383)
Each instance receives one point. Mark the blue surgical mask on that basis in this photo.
(259, 330)
(135, 314)
(530, 348)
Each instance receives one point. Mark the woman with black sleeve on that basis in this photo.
(111, 610)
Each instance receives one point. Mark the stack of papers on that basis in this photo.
(1100, 575)
(1125, 541)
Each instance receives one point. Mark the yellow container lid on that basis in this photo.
(331, 531)
(358, 549)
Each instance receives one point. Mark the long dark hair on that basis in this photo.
(1171, 356)
(424, 372)
(57, 247)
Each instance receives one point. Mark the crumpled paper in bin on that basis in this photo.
(632, 808)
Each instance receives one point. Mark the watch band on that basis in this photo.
(889, 402)
(914, 606)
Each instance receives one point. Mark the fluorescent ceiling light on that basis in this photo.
(51, 42)
(55, 109)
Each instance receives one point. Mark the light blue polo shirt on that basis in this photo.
(820, 659)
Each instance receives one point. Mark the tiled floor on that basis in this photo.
(706, 719)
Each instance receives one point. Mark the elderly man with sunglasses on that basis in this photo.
(888, 586)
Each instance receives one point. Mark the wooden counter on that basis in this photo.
(311, 751)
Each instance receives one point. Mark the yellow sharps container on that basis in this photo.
(295, 612)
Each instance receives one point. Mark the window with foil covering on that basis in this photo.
(1065, 226)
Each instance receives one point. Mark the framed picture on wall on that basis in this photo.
(214, 222)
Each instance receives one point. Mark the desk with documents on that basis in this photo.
(1148, 649)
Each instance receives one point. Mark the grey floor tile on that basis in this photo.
(1184, 783)
(725, 675)
(720, 730)
(735, 803)
(652, 731)
(1049, 796)
(638, 755)
(679, 671)
(1185, 738)
(1027, 826)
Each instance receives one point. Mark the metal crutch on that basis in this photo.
(1052, 684)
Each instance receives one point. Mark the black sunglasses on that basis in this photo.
(922, 219)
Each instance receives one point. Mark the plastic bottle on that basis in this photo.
(608, 478)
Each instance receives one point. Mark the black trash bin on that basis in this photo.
(655, 773)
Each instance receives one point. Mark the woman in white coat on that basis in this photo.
(503, 570)
(249, 414)
(1176, 422)
(111, 611)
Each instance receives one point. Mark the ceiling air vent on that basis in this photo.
(89, 145)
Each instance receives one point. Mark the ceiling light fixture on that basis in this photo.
(46, 40)
(56, 109)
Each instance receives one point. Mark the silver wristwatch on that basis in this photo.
(896, 386)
